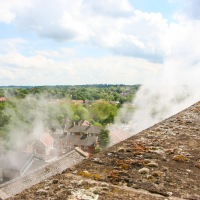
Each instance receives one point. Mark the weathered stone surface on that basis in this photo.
(41, 192)
(144, 171)
(152, 164)
(174, 145)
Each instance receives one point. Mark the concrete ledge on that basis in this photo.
(3, 195)
(81, 152)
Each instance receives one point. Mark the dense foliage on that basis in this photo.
(103, 138)
(121, 93)
(52, 106)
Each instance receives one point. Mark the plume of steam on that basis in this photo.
(176, 86)
(31, 117)
(154, 104)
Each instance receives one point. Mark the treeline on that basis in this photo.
(121, 93)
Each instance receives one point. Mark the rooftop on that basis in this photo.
(81, 140)
(46, 139)
(2, 99)
(83, 129)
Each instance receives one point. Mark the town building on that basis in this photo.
(48, 147)
(2, 99)
(43, 145)
(83, 135)
(77, 102)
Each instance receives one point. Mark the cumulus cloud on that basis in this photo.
(128, 34)
(114, 25)
(9, 8)
(136, 36)
(43, 69)
(189, 9)
(141, 36)
(6, 15)
(59, 20)
(12, 45)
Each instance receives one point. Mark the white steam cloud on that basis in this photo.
(31, 117)
(176, 86)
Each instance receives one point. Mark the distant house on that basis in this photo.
(89, 102)
(83, 135)
(114, 102)
(124, 94)
(59, 143)
(14, 164)
(84, 123)
(43, 145)
(2, 99)
(77, 102)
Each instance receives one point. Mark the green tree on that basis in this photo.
(103, 138)
(79, 112)
(103, 112)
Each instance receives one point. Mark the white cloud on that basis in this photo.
(8, 9)
(138, 36)
(188, 9)
(12, 45)
(6, 15)
(47, 53)
(114, 25)
(57, 19)
(43, 69)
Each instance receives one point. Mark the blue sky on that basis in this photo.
(164, 7)
(93, 41)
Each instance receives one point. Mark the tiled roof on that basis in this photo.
(68, 125)
(94, 129)
(85, 129)
(35, 164)
(81, 140)
(2, 99)
(84, 123)
(78, 129)
(46, 139)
